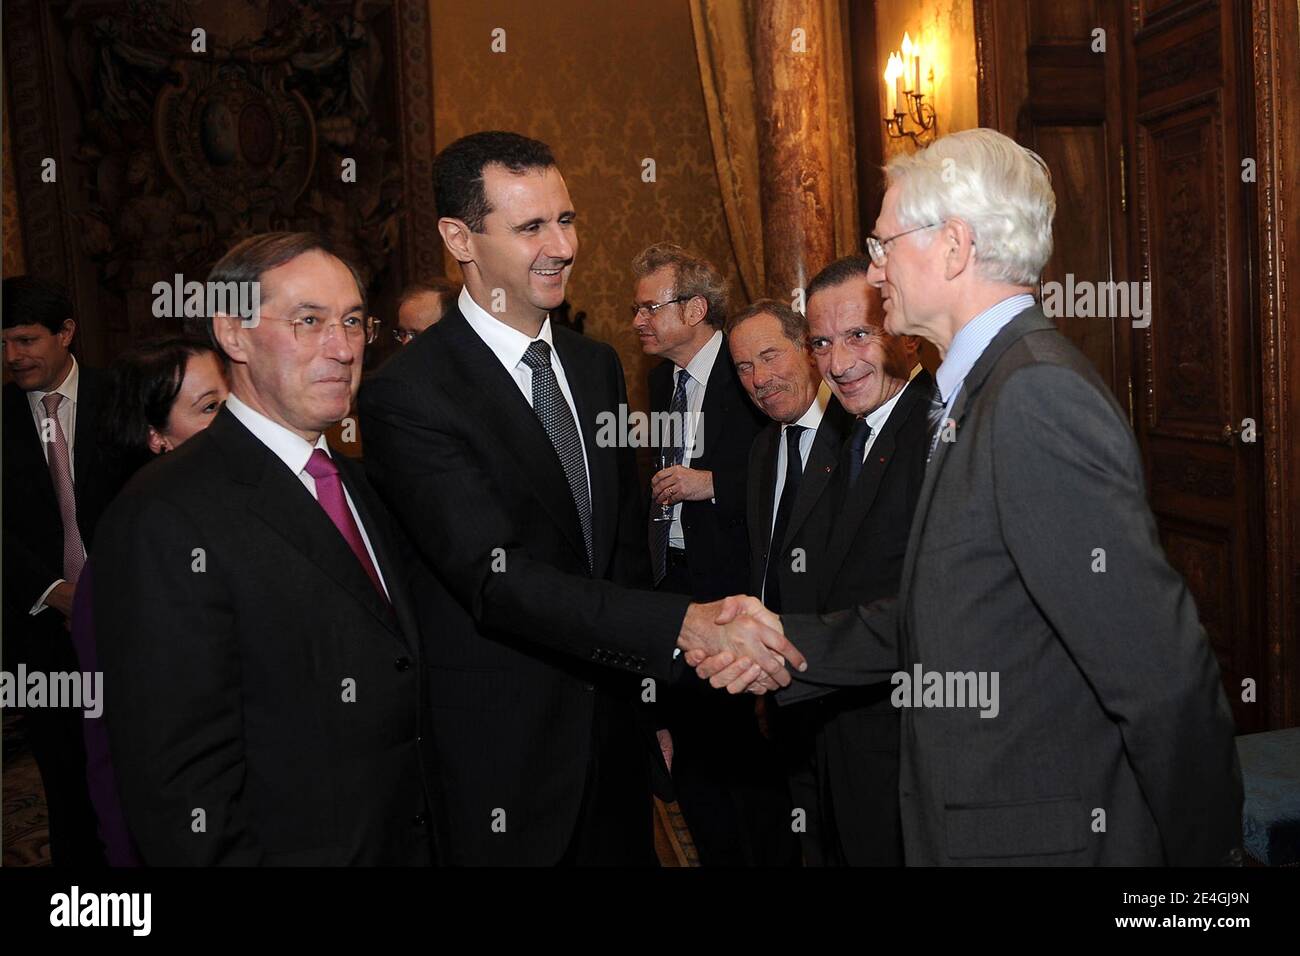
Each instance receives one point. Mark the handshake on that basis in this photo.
(739, 644)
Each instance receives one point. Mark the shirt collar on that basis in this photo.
(812, 418)
(67, 388)
(974, 337)
(701, 364)
(878, 418)
(294, 450)
(507, 344)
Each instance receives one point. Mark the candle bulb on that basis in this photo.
(916, 66)
(906, 61)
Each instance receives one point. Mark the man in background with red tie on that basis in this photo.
(262, 671)
(56, 482)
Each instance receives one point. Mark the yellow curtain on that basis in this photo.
(723, 44)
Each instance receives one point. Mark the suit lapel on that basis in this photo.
(715, 408)
(1030, 320)
(763, 487)
(89, 398)
(491, 398)
(818, 473)
(29, 458)
(279, 499)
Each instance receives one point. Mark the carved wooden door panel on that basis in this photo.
(1197, 369)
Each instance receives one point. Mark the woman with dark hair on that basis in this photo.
(165, 391)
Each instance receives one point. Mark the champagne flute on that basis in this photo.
(664, 458)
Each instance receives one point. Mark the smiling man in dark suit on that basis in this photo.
(57, 481)
(483, 436)
(261, 656)
(1072, 711)
(791, 465)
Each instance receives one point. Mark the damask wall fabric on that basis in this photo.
(13, 234)
(607, 93)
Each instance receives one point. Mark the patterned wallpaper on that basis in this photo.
(13, 234)
(606, 86)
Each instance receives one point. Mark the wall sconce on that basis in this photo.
(904, 100)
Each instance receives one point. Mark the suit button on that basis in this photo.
(402, 663)
(418, 820)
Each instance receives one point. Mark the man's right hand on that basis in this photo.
(744, 634)
(61, 598)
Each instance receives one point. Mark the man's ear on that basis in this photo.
(66, 332)
(958, 248)
(697, 310)
(458, 238)
(229, 331)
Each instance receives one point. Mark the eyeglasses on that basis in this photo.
(310, 330)
(649, 310)
(404, 336)
(876, 247)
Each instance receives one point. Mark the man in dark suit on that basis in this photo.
(724, 773)
(791, 465)
(861, 526)
(487, 437)
(57, 481)
(255, 625)
(1060, 701)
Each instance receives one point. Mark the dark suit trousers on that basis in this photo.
(726, 775)
(55, 736)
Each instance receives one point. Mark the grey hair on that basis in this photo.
(1000, 189)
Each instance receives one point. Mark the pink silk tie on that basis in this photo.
(329, 492)
(74, 554)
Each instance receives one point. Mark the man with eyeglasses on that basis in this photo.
(702, 550)
(1060, 701)
(423, 304)
(262, 664)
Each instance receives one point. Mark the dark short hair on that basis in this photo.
(841, 270)
(28, 300)
(458, 171)
(693, 276)
(449, 289)
(793, 325)
(253, 257)
(146, 380)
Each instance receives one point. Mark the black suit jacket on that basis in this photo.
(717, 541)
(1112, 742)
(33, 528)
(798, 588)
(252, 670)
(530, 670)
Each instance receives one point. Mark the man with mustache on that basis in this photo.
(482, 434)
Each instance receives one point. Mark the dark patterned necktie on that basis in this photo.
(789, 491)
(857, 448)
(659, 529)
(562, 430)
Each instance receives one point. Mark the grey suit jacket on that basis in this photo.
(1112, 742)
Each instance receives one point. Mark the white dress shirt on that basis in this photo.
(700, 367)
(295, 451)
(509, 345)
(881, 415)
(67, 416)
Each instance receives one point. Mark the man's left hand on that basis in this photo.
(679, 483)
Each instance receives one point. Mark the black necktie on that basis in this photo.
(793, 474)
(562, 430)
(659, 529)
(857, 447)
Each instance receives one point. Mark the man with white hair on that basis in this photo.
(1060, 700)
